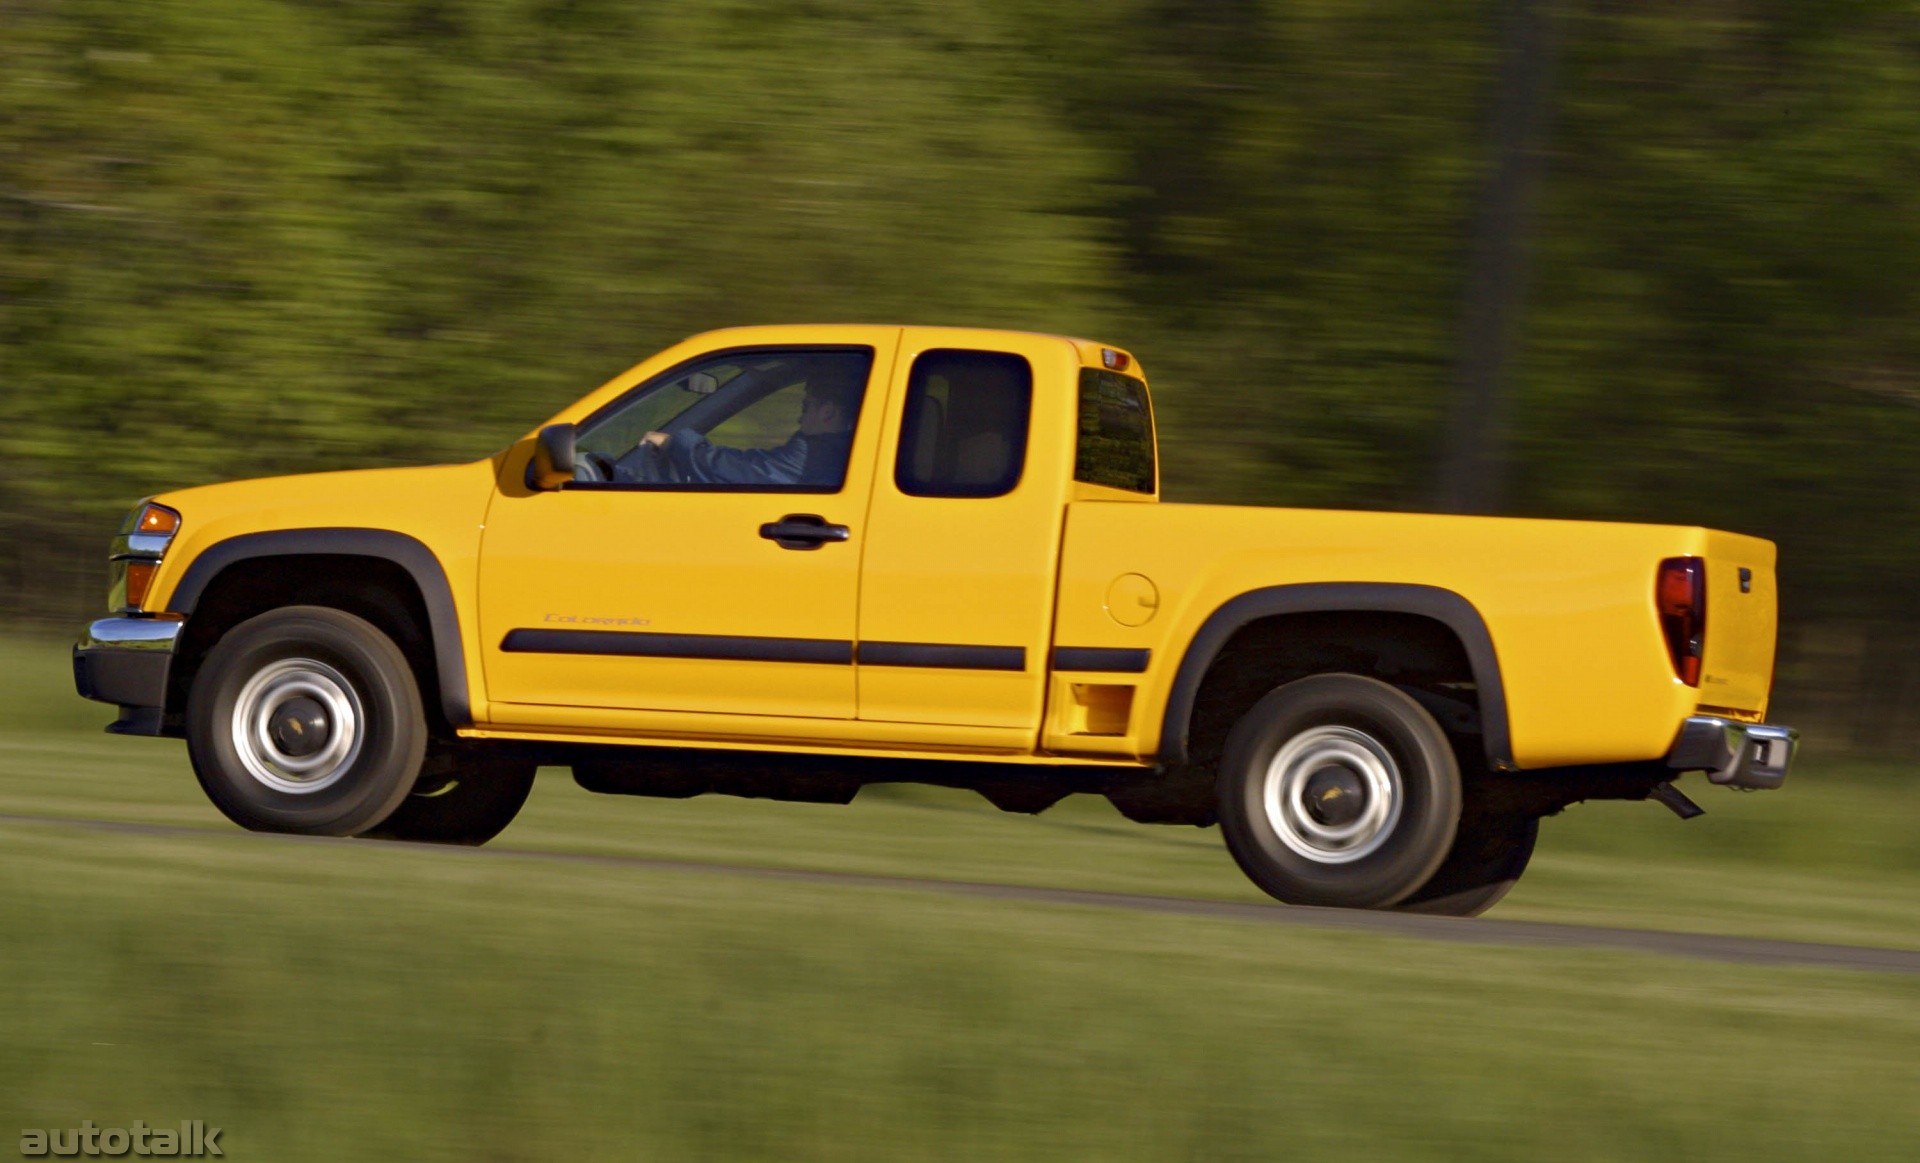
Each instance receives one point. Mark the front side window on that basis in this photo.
(964, 433)
(767, 419)
(1115, 445)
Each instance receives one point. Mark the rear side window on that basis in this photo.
(965, 429)
(1116, 432)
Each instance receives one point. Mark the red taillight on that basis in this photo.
(1680, 596)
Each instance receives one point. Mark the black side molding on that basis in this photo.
(712, 646)
(736, 648)
(406, 552)
(1443, 606)
(945, 657)
(1110, 659)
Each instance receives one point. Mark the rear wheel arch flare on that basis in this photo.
(1449, 609)
(409, 554)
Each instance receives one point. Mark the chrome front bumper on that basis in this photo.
(1749, 756)
(125, 661)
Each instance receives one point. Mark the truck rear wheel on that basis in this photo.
(306, 719)
(1339, 790)
(470, 797)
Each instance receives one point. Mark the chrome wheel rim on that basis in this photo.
(276, 714)
(1333, 794)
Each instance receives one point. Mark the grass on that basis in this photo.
(355, 1000)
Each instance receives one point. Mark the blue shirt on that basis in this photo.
(803, 460)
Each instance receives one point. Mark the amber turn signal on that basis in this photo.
(157, 519)
(139, 581)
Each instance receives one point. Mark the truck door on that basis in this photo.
(963, 534)
(714, 579)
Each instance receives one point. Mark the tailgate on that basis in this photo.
(1742, 621)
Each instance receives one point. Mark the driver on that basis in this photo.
(816, 454)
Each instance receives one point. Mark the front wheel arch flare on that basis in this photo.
(408, 553)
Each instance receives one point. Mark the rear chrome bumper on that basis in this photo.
(125, 661)
(1749, 756)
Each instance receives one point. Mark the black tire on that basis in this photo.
(246, 723)
(1315, 750)
(1489, 854)
(468, 796)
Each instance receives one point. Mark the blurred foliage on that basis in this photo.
(247, 237)
(256, 236)
(1728, 324)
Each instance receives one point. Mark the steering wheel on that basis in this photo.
(593, 466)
(655, 466)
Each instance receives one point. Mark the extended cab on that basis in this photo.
(792, 561)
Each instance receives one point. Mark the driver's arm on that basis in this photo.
(707, 463)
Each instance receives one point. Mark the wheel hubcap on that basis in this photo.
(300, 726)
(297, 726)
(1333, 794)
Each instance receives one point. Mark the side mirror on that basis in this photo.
(552, 464)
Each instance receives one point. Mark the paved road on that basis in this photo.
(1477, 931)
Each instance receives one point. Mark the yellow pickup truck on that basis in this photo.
(792, 561)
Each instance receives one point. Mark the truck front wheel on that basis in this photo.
(306, 719)
(1339, 790)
